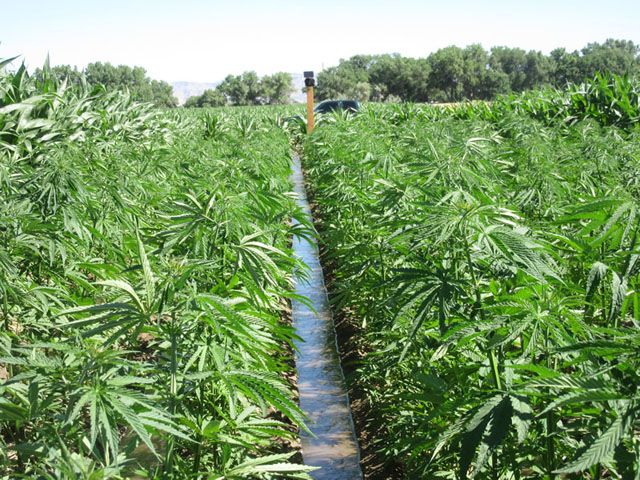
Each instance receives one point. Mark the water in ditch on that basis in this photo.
(323, 393)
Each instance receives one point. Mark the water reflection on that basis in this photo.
(323, 395)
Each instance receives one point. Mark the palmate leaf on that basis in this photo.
(612, 223)
(464, 333)
(447, 436)
(246, 328)
(269, 464)
(605, 347)
(107, 427)
(618, 293)
(603, 446)
(568, 382)
(264, 428)
(522, 415)
(470, 442)
(487, 429)
(147, 273)
(495, 434)
(484, 429)
(427, 289)
(152, 420)
(597, 272)
(515, 328)
(127, 288)
(523, 252)
(540, 370)
(264, 388)
(12, 412)
(134, 421)
(588, 396)
(88, 396)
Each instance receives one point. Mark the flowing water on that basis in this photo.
(323, 393)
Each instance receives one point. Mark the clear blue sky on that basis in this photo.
(203, 41)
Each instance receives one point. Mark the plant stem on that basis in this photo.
(196, 461)
(5, 309)
(550, 446)
(173, 392)
(493, 360)
(549, 419)
(598, 474)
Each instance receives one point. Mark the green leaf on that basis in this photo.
(540, 370)
(130, 380)
(132, 419)
(522, 415)
(12, 412)
(147, 273)
(596, 274)
(618, 294)
(269, 463)
(588, 396)
(4, 63)
(121, 285)
(602, 448)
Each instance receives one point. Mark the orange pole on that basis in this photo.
(310, 120)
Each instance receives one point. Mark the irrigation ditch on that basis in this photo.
(322, 389)
(345, 446)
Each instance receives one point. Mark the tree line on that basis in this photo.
(121, 77)
(247, 89)
(452, 74)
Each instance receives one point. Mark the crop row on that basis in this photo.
(144, 262)
(490, 256)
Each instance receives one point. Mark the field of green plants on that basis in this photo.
(144, 263)
(488, 257)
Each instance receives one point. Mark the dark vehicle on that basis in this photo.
(330, 106)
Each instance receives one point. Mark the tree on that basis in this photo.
(246, 89)
(163, 94)
(447, 72)
(450, 74)
(537, 70)
(99, 73)
(512, 62)
(192, 102)
(495, 83)
(254, 90)
(613, 56)
(475, 66)
(234, 89)
(241, 89)
(401, 77)
(209, 98)
(73, 76)
(276, 89)
(346, 80)
(331, 84)
(133, 80)
(564, 67)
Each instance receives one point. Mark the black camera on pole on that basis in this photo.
(309, 81)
